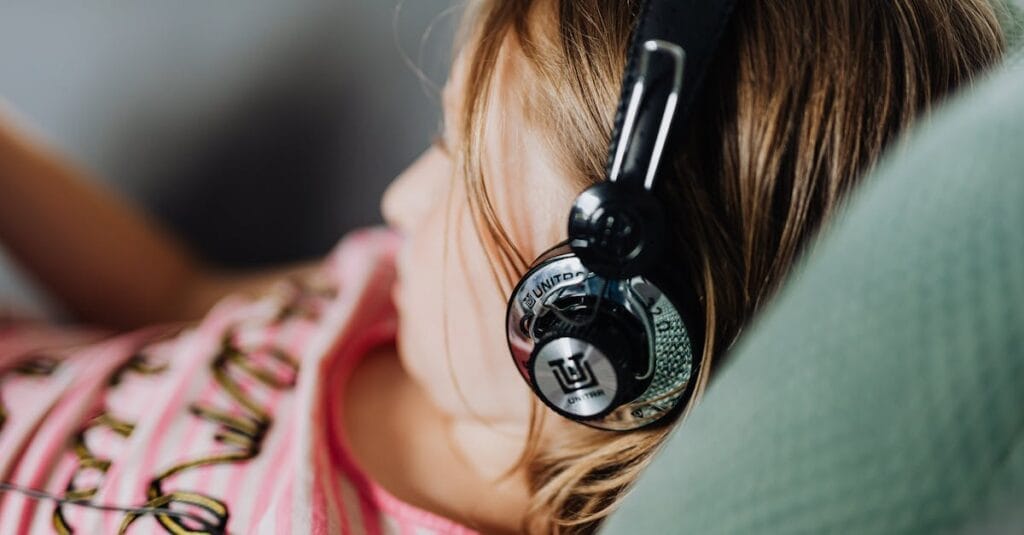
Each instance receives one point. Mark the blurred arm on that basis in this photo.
(106, 261)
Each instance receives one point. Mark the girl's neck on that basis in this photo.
(449, 466)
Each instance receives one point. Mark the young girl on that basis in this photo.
(374, 392)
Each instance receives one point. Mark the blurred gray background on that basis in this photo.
(259, 131)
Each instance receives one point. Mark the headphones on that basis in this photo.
(603, 327)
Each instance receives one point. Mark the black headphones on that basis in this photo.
(603, 328)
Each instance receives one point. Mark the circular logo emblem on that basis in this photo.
(575, 377)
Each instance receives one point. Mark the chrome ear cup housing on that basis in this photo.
(611, 354)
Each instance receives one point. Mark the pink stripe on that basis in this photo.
(276, 471)
(61, 477)
(335, 507)
(319, 503)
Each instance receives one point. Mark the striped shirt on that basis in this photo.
(227, 420)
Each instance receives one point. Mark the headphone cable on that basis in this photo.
(561, 315)
(42, 495)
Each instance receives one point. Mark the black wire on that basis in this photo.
(593, 315)
(42, 495)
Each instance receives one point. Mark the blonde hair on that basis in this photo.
(803, 97)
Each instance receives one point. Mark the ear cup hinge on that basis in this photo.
(630, 135)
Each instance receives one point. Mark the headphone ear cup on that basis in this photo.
(583, 365)
(611, 354)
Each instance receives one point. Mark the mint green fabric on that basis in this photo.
(883, 390)
(1012, 21)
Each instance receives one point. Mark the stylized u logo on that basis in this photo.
(574, 375)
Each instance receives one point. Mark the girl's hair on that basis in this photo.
(800, 101)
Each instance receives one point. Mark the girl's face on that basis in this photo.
(451, 309)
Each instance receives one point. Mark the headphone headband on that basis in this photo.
(695, 26)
